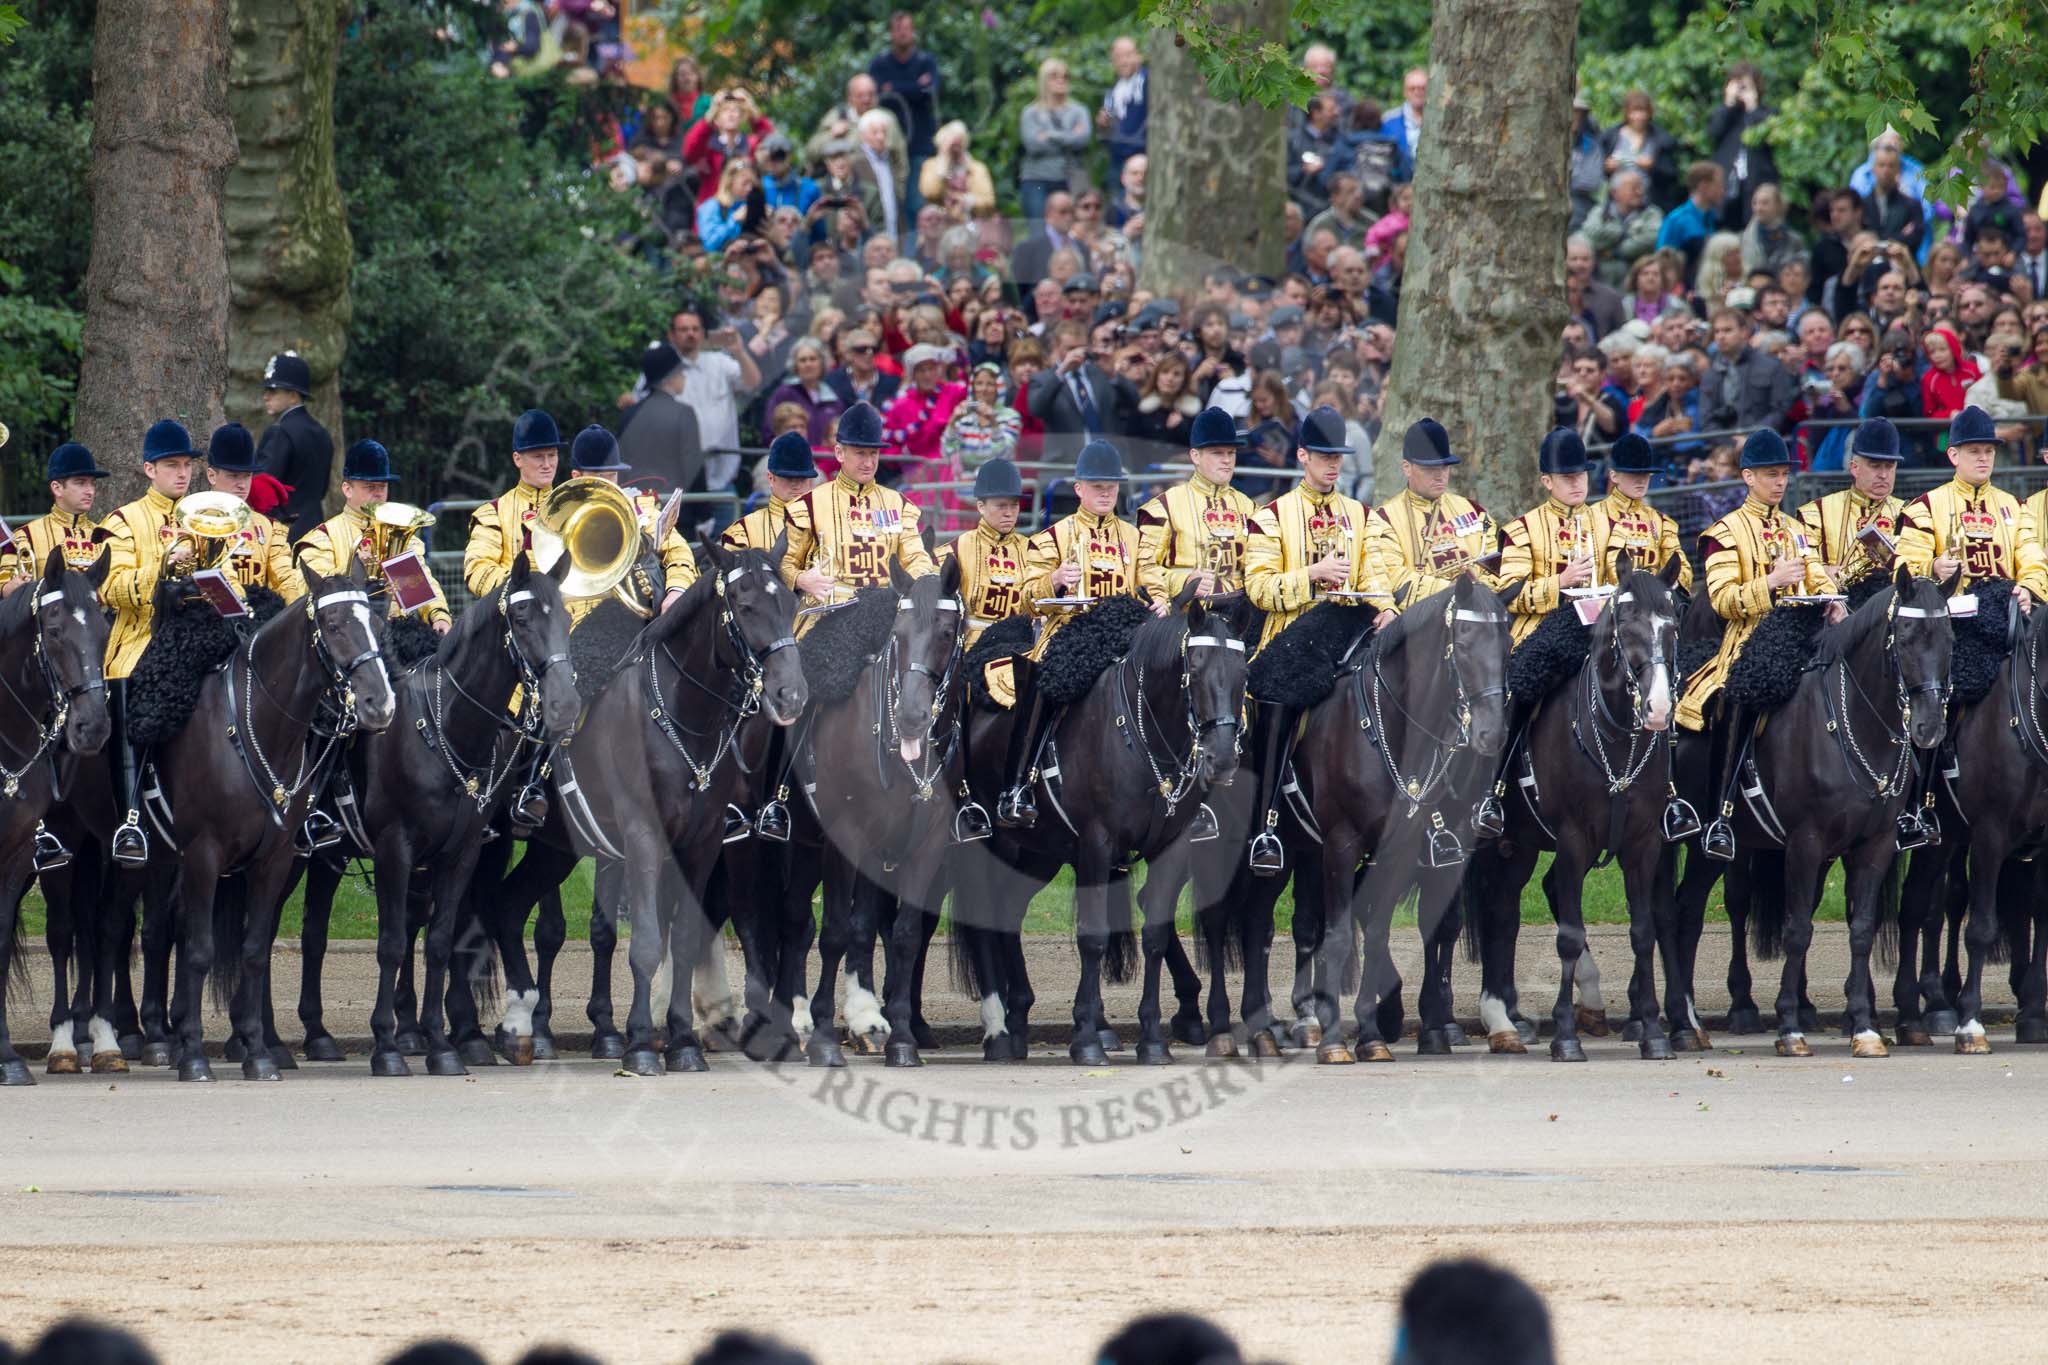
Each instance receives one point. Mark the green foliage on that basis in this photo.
(1240, 61)
(494, 271)
(38, 378)
(45, 151)
(11, 23)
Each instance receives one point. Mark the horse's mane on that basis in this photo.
(667, 623)
(1644, 582)
(17, 606)
(1156, 645)
(468, 625)
(1838, 641)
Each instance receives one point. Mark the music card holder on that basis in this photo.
(219, 591)
(7, 540)
(1589, 602)
(412, 586)
(670, 511)
(1876, 544)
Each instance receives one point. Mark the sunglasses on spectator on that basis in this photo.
(1089, 206)
(861, 350)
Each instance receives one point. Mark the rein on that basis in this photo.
(481, 781)
(1872, 783)
(1172, 789)
(243, 734)
(1592, 719)
(934, 759)
(739, 701)
(1372, 718)
(56, 708)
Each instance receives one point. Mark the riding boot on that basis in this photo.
(130, 846)
(772, 823)
(1274, 745)
(1018, 808)
(1681, 821)
(50, 853)
(1489, 817)
(530, 806)
(1718, 839)
(970, 818)
(1917, 826)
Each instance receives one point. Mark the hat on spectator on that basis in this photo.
(1323, 432)
(1876, 439)
(231, 449)
(1265, 355)
(73, 461)
(861, 426)
(1156, 312)
(789, 457)
(1563, 453)
(1972, 426)
(1098, 462)
(1764, 450)
(596, 450)
(1427, 443)
(1630, 454)
(924, 354)
(997, 478)
(1214, 427)
(838, 146)
(367, 461)
(535, 430)
(1295, 359)
(1239, 322)
(1081, 282)
(287, 370)
(1742, 299)
(166, 440)
(775, 144)
(1287, 315)
(1109, 310)
(658, 362)
(1256, 287)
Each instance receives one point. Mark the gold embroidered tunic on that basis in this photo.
(991, 576)
(498, 531)
(1740, 549)
(854, 532)
(1106, 548)
(1536, 548)
(1419, 545)
(54, 530)
(138, 536)
(1191, 527)
(1292, 532)
(1619, 520)
(1987, 528)
(328, 547)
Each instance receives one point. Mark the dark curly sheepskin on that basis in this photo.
(187, 642)
(1298, 667)
(843, 643)
(1550, 657)
(1981, 641)
(600, 642)
(1086, 647)
(409, 641)
(1767, 672)
(1699, 636)
(1009, 636)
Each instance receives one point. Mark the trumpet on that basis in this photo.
(596, 526)
(392, 525)
(208, 524)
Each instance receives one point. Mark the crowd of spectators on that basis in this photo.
(871, 257)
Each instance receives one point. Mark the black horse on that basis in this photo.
(1592, 776)
(1834, 771)
(1129, 766)
(53, 639)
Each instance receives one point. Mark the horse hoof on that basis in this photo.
(281, 1057)
(390, 1063)
(901, 1054)
(323, 1048)
(1305, 1034)
(1154, 1054)
(1913, 1035)
(61, 1064)
(1525, 1029)
(1592, 1023)
(412, 1044)
(519, 1051)
(1654, 1049)
(1505, 1040)
(996, 1049)
(2023, 1031)
(195, 1069)
(1868, 1045)
(444, 1064)
(921, 1034)
(1746, 1020)
(1567, 1050)
(686, 1058)
(1942, 1021)
(823, 1051)
(109, 1064)
(155, 1054)
(1020, 1042)
(1972, 1045)
(1375, 1051)
(14, 1071)
(1088, 1052)
(1793, 1045)
(232, 1050)
(131, 1046)
(1690, 1040)
(1454, 1033)
(640, 1062)
(1334, 1053)
(608, 1047)
(544, 1048)
(1433, 1042)
(1110, 1042)
(1222, 1045)
(1189, 1029)
(261, 1067)
(1633, 1031)
(866, 1044)
(476, 1051)
(1264, 1044)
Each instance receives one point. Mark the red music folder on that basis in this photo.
(412, 584)
(220, 593)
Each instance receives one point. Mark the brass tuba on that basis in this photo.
(593, 522)
(210, 523)
(392, 525)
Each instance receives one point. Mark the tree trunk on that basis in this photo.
(156, 287)
(1216, 178)
(288, 241)
(1482, 296)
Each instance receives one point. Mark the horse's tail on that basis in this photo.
(1220, 924)
(1767, 904)
(1120, 955)
(2015, 912)
(1475, 894)
(960, 963)
(15, 986)
(230, 925)
(1888, 912)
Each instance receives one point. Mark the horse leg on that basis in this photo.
(1864, 869)
(451, 921)
(833, 937)
(647, 856)
(1377, 979)
(2032, 990)
(1313, 997)
(273, 1041)
(394, 876)
(117, 943)
(1186, 1024)
(1987, 855)
(606, 1042)
(322, 879)
(1943, 979)
(1498, 874)
(1926, 872)
(514, 1034)
(1566, 883)
(1018, 997)
(60, 938)
(1255, 945)
(198, 874)
(1802, 863)
(1093, 866)
(550, 932)
(903, 946)
(689, 933)
(159, 929)
(866, 1028)
(795, 929)
(412, 1039)
(1158, 902)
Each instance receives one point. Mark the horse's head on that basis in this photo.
(1476, 622)
(1214, 660)
(760, 616)
(1641, 622)
(71, 631)
(537, 637)
(924, 644)
(346, 640)
(1922, 637)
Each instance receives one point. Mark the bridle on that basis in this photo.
(933, 759)
(1174, 788)
(1872, 783)
(340, 675)
(739, 701)
(1592, 713)
(57, 700)
(1373, 702)
(528, 725)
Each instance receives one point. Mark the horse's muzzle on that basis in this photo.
(87, 725)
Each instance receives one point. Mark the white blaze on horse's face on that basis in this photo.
(1657, 712)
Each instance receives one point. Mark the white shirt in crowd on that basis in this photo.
(711, 386)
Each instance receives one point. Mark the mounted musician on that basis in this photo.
(504, 526)
(594, 454)
(1623, 520)
(1855, 530)
(1427, 535)
(1550, 548)
(792, 472)
(1968, 526)
(1198, 529)
(844, 535)
(260, 556)
(74, 479)
(359, 530)
(992, 555)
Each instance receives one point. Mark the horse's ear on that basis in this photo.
(1902, 579)
(1621, 561)
(1673, 567)
(898, 579)
(1514, 590)
(1953, 586)
(928, 534)
(358, 572)
(522, 569)
(1186, 593)
(97, 574)
(1198, 614)
(53, 565)
(949, 577)
(560, 569)
(779, 549)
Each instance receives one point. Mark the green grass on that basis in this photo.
(355, 906)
